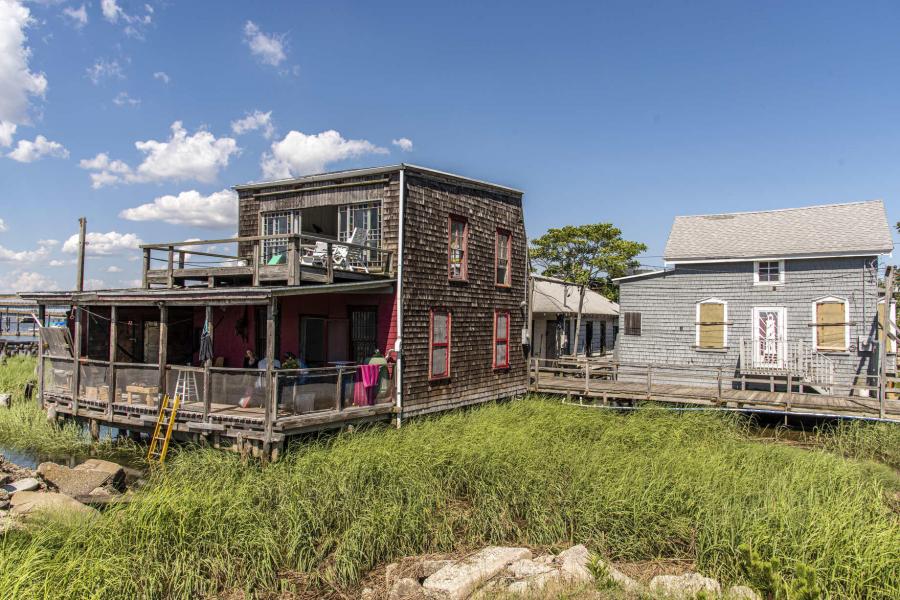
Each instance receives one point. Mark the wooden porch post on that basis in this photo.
(170, 268)
(206, 364)
(76, 371)
(271, 311)
(256, 259)
(145, 282)
(329, 263)
(293, 262)
(42, 315)
(163, 350)
(113, 344)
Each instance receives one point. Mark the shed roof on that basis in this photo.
(556, 296)
(855, 228)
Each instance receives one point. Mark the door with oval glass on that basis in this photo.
(769, 337)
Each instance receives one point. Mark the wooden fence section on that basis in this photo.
(611, 382)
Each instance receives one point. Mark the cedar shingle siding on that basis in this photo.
(429, 203)
(667, 303)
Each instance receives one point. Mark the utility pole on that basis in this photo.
(82, 228)
(886, 335)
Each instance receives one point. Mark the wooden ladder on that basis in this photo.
(159, 444)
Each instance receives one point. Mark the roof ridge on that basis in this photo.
(776, 210)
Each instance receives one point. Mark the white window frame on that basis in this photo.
(756, 280)
(815, 323)
(724, 304)
(892, 344)
(270, 246)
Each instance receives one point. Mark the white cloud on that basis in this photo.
(268, 48)
(123, 99)
(113, 269)
(111, 10)
(27, 152)
(26, 281)
(78, 16)
(3, 226)
(62, 263)
(24, 256)
(219, 209)
(103, 244)
(182, 157)
(302, 154)
(17, 83)
(94, 284)
(162, 76)
(104, 69)
(403, 143)
(48, 242)
(253, 121)
(7, 132)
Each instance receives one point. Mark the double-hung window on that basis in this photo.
(501, 339)
(632, 323)
(768, 272)
(503, 260)
(439, 344)
(458, 249)
(281, 222)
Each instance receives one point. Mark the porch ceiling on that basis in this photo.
(203, 296)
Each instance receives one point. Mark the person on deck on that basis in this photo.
(249, 359)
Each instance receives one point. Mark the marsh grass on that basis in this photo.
(632, 487)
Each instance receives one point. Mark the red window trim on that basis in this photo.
(465, 261)
(508, 235)
(432, 344)
(498, 339)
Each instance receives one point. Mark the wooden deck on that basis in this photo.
(609, 382)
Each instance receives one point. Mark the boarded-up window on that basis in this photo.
(439, 344)
(892, 345)
(632, 323)
(831, 326)
(501, 339)
(711, 325)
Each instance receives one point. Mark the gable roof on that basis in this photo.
(556, 296)
(856, 228)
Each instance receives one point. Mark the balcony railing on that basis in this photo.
(305, 258)
(781, 357)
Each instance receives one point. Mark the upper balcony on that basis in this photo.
(278, 259)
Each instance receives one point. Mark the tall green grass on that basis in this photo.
(632, 487)
(869, 441)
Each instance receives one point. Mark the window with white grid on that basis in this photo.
(366, 215)
(277, 223)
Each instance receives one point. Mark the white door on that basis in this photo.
(769, 329)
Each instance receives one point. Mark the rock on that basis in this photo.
(525, 568)
(741, 592)
(427, 568)
(5, 478)
(115, 471)
(5, 400)
(407, 589)
(72, 482)
(22, 485)
(29, 503)
(546, 559)
(534, 583)
(684, 586)
(457, 580)
(367, 594)
(390, 573)
(573, 564)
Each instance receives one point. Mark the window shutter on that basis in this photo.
(712, 325)
(830, 326)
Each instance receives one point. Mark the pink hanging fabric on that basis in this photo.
(365, 385)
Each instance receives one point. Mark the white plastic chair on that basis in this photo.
(347, 257)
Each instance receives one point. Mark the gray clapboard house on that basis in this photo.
(772, 293)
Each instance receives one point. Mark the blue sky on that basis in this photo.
(629, 112)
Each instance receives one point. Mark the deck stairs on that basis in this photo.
(159, 443)
(796, 359)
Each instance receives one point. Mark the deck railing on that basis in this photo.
(781, 357)
(302, 252)
(211, 394)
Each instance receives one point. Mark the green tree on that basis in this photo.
(590, 256)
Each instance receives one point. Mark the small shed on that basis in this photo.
(554, 307)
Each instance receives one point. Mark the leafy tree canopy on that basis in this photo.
(588, 255)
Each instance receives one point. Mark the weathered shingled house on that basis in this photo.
(774, 293)
(404, 265)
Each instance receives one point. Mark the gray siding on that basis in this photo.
(667, 305)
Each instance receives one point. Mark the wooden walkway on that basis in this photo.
(611, 383)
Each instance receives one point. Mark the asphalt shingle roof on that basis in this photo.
(558, 296)
(830, 229)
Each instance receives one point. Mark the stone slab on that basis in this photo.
(458, 580)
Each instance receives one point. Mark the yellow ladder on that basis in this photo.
(157, 452)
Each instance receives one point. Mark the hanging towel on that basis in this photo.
(365, 387)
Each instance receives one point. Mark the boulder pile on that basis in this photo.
(499, 571)
(53, 488)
